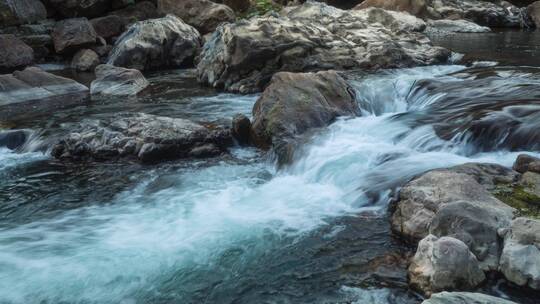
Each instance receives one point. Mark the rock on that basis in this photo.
(414, 7)
(241, 128)
(157, 43)
(464, 298)
(80, 8)
(526, 163)
(85, 60)
(237, 5)
(72, 34)
(533, 13)
(294, 103)
(145, 137)
(456, 202)
(141, 11)
(14, 139)
(520, 259)
(204, 15)
(34, 90)
(242, 57)
(111, 80)
(15, 12)
(15, 53)
(444, 263)
(37, 36)
(108, 26)
(530, 185)
(455, 26)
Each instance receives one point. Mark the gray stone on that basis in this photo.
(156, 43)
(85, 60)
(72, 34)
(15, 53)
(111, 80)
(464, 298)
(204, 15)
(526, 163)
(445, 26)
(108, 26)
(15, 12)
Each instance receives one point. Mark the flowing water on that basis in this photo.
(234, 229)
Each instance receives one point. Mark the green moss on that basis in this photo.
(260, 7)
(525, 203)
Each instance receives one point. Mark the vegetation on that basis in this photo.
(261, 7)
(517, 196)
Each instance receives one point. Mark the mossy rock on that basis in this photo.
(519, 197)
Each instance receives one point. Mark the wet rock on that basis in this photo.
(111, 80)
(37, 36)
(108, 26)
(15, 53)
(444, 263)
(312, 37)
(15, 12)
(72, 34)
(414, 7)
(80, 8)
(455, 26)
(464, 298)
(241, 128)
(36, 90)
(13, 139)
(141, 11)
(526, 163)
(145, 137)
(204, 15)
(454, 202)
(294, 103)
(520, 259)
(533, 13)
(157, 43)
(85, 60)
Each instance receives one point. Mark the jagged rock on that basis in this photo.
(526, 163)
(204, 15)
(111, 80)
(34, 89)
(533, 13)
(145, 137)
(455, 26)
(141, 11)
(15, 12)
(108, 26)
(520, 259)
(241, 128)
(294, 103)
(242, 57)
(72, 34)
(157, 43)
(456, 202)
(444, 263)
(85, 60)
(15, 53)
(80, 8)
(464, 298)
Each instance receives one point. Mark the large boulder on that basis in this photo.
(108, 26)
(294, 103)
(533, 13)
(464, 298)
(15, 53)
(80, 8)
(85, 60)
(204, 15)
(156, 43)
(144, 137)
(111, 80)
(457, 202)
(444, 264)
(34, 89)
(72, 34)
(15, 12)
(242, 57)
(520, 259)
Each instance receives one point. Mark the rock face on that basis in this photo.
(294, 103)
(242, 57)
(456, 202)
(533, 12)
(145, 137)
(455, 26)
(464, 298)
(80, 8)
(152, 44)
(15, 12)
(72, 34)
(111, 80)
(108, 26)
(34, 88)
(520, 259)
(204, 15)
(85, 60)
(444, 263)
(15, 53)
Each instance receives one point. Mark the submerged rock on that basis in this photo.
(111, 80)
(464, 298)
(294, 103)
(15, 12)
(15, 53)
(242, 57)
(444, 263)
(157, 43)
(520, 259)
(145, 137)
(72, 34)
(85, 60)
(204, 15)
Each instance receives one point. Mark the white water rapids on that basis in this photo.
(124, 250)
